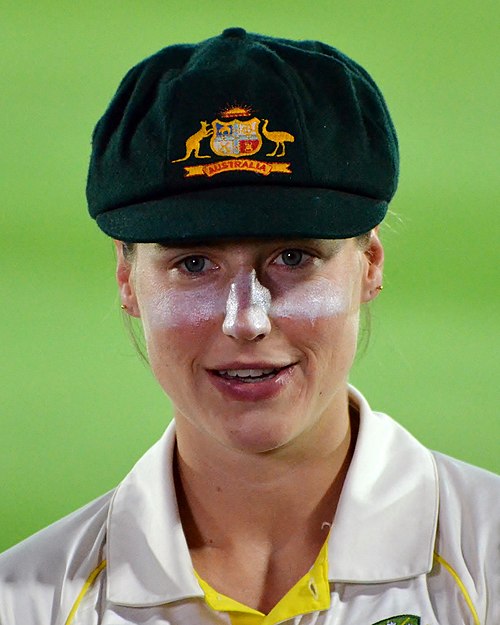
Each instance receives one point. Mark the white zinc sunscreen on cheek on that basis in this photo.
(315, 299)
(246, 304)
(173, 307)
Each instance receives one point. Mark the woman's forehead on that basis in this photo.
(250, 243)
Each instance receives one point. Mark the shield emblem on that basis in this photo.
(236, 138)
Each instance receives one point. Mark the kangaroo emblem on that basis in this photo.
(193, 143)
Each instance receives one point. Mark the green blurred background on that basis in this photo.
(77, 406)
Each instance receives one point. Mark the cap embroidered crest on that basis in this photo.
(236, 138)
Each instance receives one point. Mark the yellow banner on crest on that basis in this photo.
(258, 167)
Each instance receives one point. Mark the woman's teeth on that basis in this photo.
(246, 374)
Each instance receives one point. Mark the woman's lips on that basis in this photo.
(251, 383)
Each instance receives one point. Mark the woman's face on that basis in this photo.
(252, 340)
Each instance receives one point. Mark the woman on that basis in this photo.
(243, 180)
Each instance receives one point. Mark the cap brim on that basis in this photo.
(245, 212)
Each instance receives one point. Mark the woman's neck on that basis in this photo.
(228, 497)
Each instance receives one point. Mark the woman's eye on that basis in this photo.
(195, 264)
(291, 258)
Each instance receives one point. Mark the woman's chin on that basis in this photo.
(258, 438)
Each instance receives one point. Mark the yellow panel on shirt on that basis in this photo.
(310, 594)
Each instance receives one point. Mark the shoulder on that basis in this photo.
(468, 491)
(46, 571)
(469, 505)
(468, 539)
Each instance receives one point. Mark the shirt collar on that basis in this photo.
(385, 525)
(147, 554)
(384, 528)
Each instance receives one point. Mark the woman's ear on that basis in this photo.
(373, 272)
(124, 278)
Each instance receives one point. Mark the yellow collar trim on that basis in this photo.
(310, 594)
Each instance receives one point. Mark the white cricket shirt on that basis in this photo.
(415, 540)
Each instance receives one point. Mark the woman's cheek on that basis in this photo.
(170, 308)
(317, 299)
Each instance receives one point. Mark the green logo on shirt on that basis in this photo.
(402, 619)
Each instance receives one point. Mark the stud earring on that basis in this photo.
(123, 306)
(379, 287)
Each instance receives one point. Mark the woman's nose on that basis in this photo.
(247, 308)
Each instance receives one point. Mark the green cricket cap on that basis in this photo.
(243, 135)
